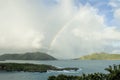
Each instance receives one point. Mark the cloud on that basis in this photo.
(86, 33)
(114, 3)
(117, 14)
(17, 28)
(27, 25)
(73, 30)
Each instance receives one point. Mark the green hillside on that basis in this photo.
(100, 56)
(27, 56)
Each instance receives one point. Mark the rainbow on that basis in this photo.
(61, 30)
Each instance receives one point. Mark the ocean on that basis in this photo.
(85, 66)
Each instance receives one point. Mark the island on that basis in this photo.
(100, 56)
(27, 56)
(27, 67)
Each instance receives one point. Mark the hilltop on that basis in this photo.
(27, 56)
(100, 56)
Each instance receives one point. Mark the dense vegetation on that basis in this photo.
(101, 56)
(114, 74)
(25, 67)
(30, 67)
(27, 56)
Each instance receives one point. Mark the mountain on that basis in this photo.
(100, 56)
(27, 56)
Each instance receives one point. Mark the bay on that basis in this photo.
(85, 66)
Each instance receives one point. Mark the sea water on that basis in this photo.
(85, 66)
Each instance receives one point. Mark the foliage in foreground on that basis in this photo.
(114, 74)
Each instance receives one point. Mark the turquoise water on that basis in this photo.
(85, 66)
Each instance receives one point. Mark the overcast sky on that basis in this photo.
(63, 28)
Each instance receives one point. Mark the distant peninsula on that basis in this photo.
(31, 67)
(100, 56)
(27, 56)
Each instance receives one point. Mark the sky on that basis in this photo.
(62, 28)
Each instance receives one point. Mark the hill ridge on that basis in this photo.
(100, 56)
(27, 56)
